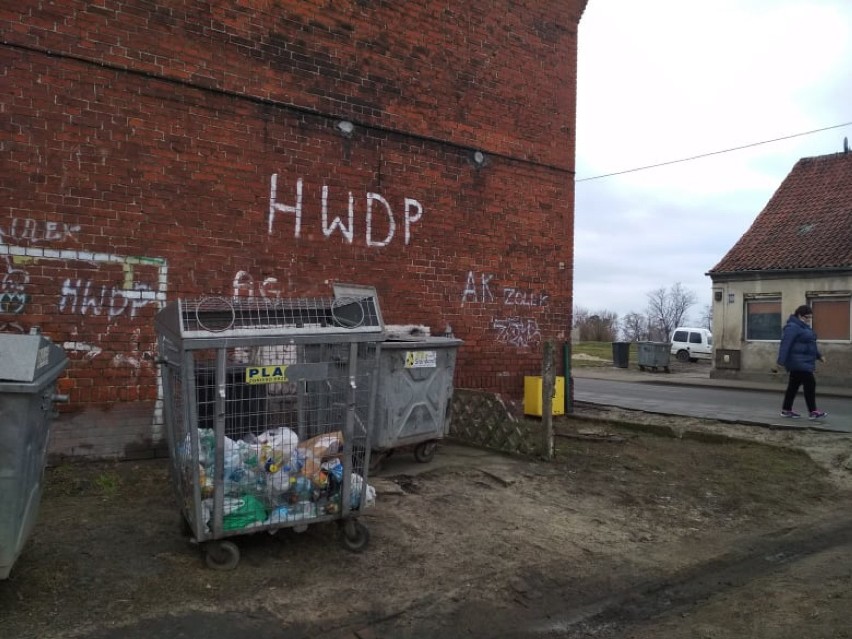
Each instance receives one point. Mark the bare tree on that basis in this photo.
(634, 327)
(581, 316)
(707, 317)
(601, 326)
(667, 308)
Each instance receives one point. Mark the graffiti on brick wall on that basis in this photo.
(379, 218)
(517, 331)
(119, 286)
(245, 286)
(88, 298)
(514, 330)
(480, 289)
(13, 289)
(28, 230)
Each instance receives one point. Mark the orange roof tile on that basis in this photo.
(806, 225)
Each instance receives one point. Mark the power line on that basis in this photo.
(704, 155)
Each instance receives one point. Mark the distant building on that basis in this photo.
(797, 251)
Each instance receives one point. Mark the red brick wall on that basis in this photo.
(141, 143)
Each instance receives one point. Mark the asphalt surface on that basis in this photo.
(694, 394)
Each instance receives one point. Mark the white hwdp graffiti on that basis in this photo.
(375, 203)
(521, 332)
(78, 295)
(84, 297)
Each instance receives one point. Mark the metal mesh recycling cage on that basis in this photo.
(267, 405)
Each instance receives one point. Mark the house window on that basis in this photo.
(763, 319)
(831, 318)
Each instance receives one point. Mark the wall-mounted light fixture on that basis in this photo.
(478, 158)
(345, 127)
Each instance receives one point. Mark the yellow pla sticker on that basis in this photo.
(421, 359)
(271, 374)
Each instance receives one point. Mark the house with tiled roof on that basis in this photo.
(797, 251)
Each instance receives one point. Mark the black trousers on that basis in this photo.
(808, 382)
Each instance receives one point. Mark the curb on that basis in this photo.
(828, 391)
(669, 431)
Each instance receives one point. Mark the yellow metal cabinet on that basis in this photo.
(533, 404)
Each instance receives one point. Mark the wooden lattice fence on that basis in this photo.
(482, 419)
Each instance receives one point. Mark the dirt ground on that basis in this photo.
(644, 526)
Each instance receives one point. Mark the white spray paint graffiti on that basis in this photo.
(521, 332)
(78, 295)
(480, 291)
(13, 296)
(135, 358)
(517, 331)
(520, 297)
(83, 297)
(244, 286)
(481, 295)
(25, 229)
(91, 351)
(412, 213)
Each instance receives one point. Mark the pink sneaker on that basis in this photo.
(817, 414)
(790, 414)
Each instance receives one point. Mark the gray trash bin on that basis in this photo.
(414, 395)
(621, 354)
(654, 355)
(29, 367)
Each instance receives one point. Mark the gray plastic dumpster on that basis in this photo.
(414, 395)
(654, 355)
(29, 367)
(621, 354)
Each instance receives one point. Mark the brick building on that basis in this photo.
(155, 150)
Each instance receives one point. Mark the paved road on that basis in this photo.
(746, 406)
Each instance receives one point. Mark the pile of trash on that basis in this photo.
(273, 478)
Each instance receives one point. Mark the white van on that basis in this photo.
(692, 344)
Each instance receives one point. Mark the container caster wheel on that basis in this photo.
(356, 536)
(425, 452)
(376, 459)
(222, 555)
(185, 529)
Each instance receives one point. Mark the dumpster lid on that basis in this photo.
(24, 358)
(359, 292)
(261, 316)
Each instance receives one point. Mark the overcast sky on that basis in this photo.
(662, 80)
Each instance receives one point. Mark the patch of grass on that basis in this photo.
(76, 478)
(585, 354)
(108, 484)
(722, 477)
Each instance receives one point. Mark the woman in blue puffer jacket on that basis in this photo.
(798, 353)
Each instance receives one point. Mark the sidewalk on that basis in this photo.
(689, 391)
(693, 375)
